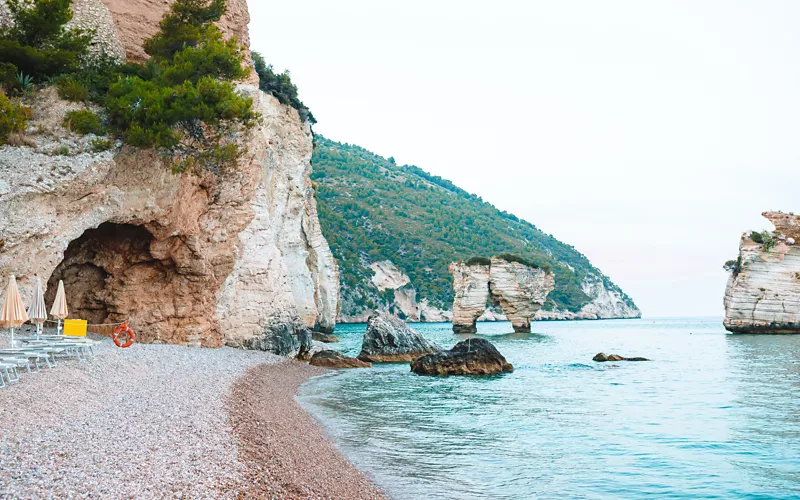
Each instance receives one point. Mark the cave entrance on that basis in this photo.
(110, 275)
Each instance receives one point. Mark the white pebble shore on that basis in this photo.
(144, 422)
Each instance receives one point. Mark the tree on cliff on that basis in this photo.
(183, 101)
(281, 87)
(36, 42)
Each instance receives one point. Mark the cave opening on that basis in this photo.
(111, 275)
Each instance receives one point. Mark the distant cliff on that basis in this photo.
(380, 216)
(763, 292)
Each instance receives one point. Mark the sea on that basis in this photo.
(712, 415)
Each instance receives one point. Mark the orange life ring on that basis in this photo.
(123, 328)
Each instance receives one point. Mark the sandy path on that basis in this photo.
(287, 454)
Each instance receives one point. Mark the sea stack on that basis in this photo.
(518, 287)
(763, 292)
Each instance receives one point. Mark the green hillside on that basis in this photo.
(372, 209)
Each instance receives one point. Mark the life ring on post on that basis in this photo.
(123, 328)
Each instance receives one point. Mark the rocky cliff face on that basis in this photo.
(763, 292)
(189, 259)
(518, 289)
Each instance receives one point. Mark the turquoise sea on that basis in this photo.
(713, 415)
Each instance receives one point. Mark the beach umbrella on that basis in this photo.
(13, 314)
(37, 311)
(59, 310)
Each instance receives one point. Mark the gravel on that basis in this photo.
(144, 422)
(287, 454)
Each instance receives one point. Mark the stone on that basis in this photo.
(602, 357)
(324, 337)
(471, 287)
(390, 340)
(468, 357)
(763, 296)
(334, 359)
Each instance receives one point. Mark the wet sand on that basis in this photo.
(286, 453)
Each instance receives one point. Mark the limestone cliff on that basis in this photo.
(520, 291)
(189, 259)
(763, 291)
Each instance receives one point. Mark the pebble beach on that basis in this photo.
(164, 421)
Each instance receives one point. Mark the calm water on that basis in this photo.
(713, 416)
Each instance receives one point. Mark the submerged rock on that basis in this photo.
(468, 357)
(324, 337)
(389, 339)
(602, 357)
(334, 359)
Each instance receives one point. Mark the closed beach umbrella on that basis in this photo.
(59, 310)
(13, 314)
(37, 311)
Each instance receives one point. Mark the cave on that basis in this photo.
(120, 272)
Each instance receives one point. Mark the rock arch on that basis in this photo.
(520, 290)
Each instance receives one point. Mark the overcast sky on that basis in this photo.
(647, 134)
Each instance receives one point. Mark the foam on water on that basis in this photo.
(712, 416)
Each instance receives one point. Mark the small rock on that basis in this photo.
(334, 359)
(324, 337)
(468, 357)
(601, 357)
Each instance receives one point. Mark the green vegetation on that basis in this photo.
(98, 145)
(36, 41)
(756, 236)
(182, 101)
(13, 117)
(71, 89)
(281, 87)
(84, 122)
(765, 239)
(477, 261)
(372, 209)
(734, 266)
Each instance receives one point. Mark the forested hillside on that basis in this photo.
(372, 210)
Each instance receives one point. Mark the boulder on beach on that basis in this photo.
(602, 357)
(324, 337)
(335, 359)
(468, 357)
(390, 340)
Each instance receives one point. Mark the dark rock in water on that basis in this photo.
(334, 359)
(468, 357)
(389, 340)
(324, 337)
(601, 357)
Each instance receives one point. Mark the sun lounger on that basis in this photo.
(8, 369)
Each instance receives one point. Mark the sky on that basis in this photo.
(648, 134)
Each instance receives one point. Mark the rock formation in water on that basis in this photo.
(520, 290)
(468, 357)
(389, 340)
(602, 357)
(763, 292)
(193, 259)
(334, 359)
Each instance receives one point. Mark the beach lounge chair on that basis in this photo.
(10, 371)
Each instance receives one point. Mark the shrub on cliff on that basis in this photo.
(182, 101)
(734, 266)
(281, 87)
(84, 122)
(36, 41)
(479, 261)
(13, 117)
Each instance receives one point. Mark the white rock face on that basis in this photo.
(236, 259)
(520, 290)
(388, 276)
(471, 286)
(764, 296)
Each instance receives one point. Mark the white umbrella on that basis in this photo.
(37, 311)
(59, 309)
(13, 314)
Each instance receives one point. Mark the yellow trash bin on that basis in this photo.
(75, 327)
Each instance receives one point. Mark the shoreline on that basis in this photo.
(285, 451)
